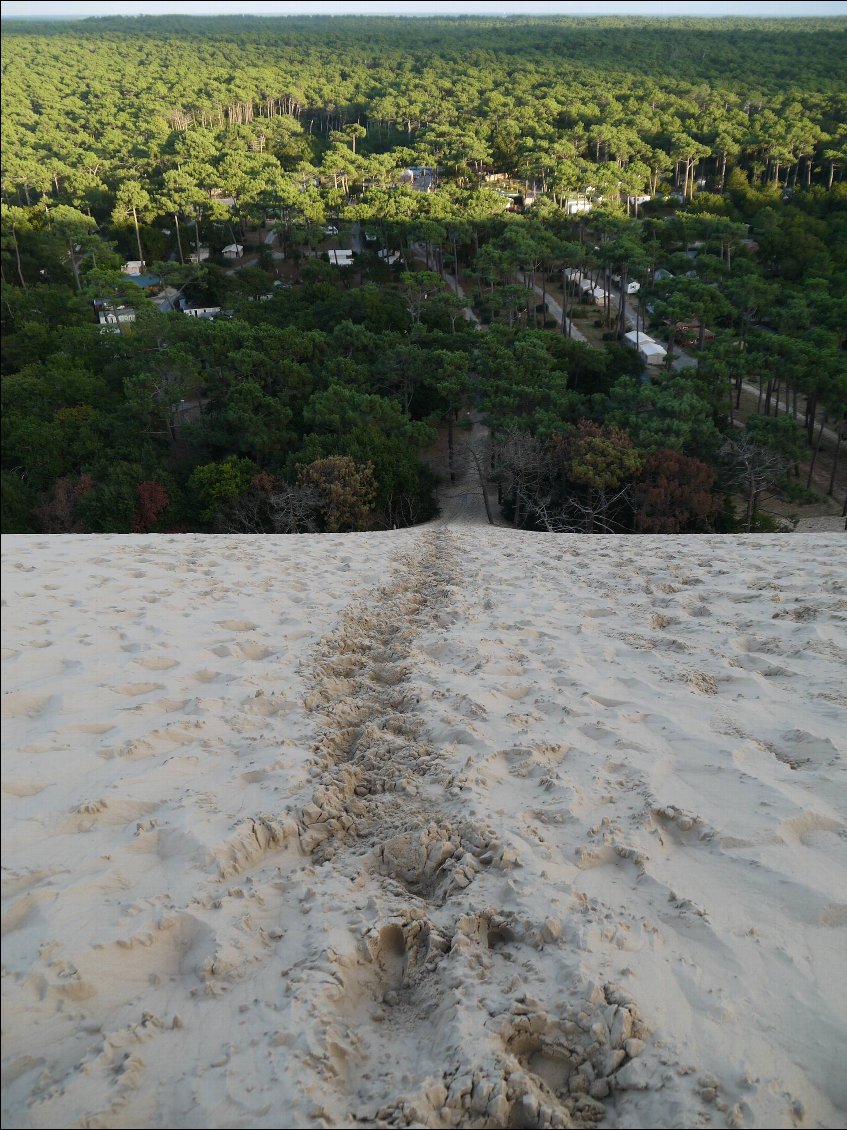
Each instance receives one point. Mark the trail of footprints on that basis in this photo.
(381, 809)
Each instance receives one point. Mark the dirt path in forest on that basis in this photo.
(469, 500)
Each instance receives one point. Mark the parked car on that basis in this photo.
(330, 229)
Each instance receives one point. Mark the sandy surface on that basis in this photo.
(821, 523)
(445, 827)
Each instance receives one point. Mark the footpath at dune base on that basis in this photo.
(447, 827)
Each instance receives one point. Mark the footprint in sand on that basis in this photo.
(834, 914)
(22, 789)
(182, 945)
(600, 700)
(206, 675)
(516, 693)
(24, 910)
(255, 651)
(391, 955)
(133, 690)
(157, 663)
(19, 704)
(88, 728)
(237, 625)
(807, 826)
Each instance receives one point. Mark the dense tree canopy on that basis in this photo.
(308, 399)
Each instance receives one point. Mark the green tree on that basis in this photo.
(214, 485)
(130, 200)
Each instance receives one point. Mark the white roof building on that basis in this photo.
(110, 313)
(636, 338)
(111, 317)
(651, 353)
(202, 311)
(198, 311)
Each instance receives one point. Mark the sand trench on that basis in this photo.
(412, 996)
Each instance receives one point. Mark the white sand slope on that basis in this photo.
(430, 828)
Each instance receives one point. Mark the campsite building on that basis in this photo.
(651, 353)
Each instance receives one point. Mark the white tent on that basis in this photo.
(637, 338)
(651, 353)
(341, 258)
(598, 295)
(233, 251)
(133, 267)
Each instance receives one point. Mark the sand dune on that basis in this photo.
(450, 827)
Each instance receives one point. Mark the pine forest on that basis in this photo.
(265, 274)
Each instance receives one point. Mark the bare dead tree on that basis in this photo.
(522, 468)
(400, 510)
(754, 469)
(578, 516)
(294, 510)
(247, 514)
(285, 510)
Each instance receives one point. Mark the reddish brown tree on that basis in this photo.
(57, 511)
(265, 483)
(674, 495)
(152, 501)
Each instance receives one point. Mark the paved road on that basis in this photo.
(556, 310)
(681, 359)
(829, 433)
(419, 253)
(453, 283)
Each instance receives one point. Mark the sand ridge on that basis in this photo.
(444, 827)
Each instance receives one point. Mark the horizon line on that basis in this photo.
(558, 16)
